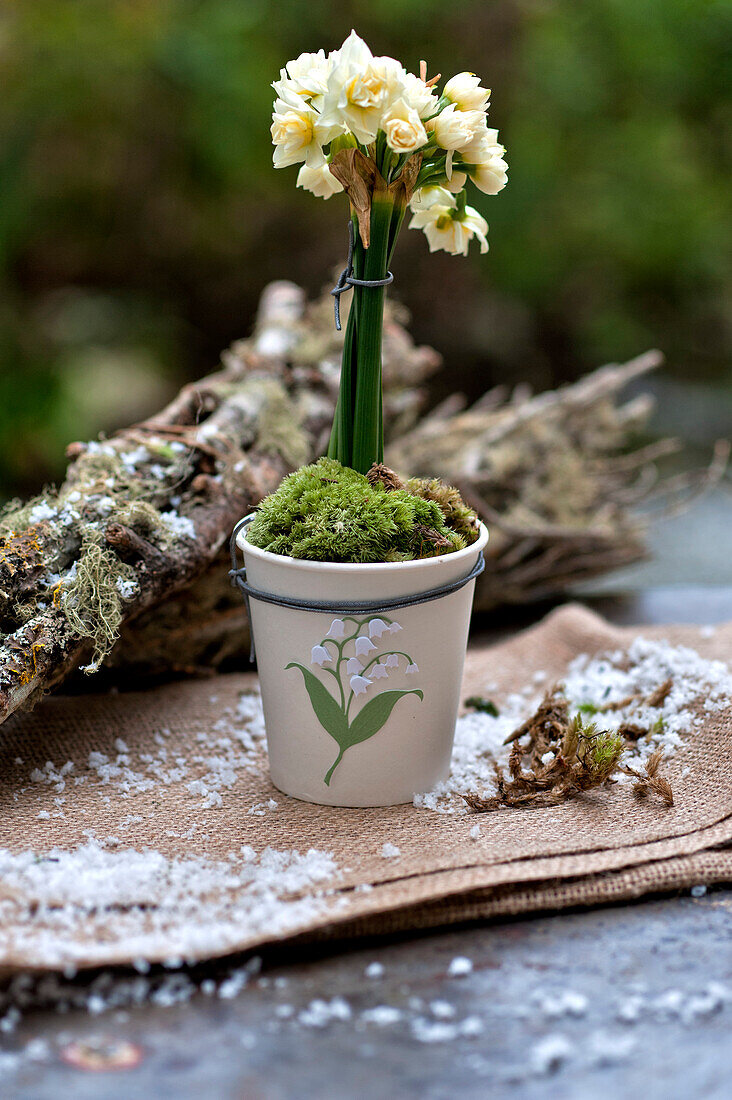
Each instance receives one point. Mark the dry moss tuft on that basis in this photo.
(91, 600)
(555, 758)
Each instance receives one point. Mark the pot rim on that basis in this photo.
(341, 567)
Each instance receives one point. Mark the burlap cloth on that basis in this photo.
(605, 847)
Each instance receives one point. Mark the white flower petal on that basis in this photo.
(337, 629)
(353, 666)
(319, 655)
(392, 661)
(377, 627)
(379, 672)
(364, 646)
(412, 668)
(359, 684)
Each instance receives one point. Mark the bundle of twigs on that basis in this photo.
(123, 564)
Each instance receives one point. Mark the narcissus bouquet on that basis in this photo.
(392, 141)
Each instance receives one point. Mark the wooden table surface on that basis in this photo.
(615, 1002)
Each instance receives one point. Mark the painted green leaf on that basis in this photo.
(328, 712)
(372, 717)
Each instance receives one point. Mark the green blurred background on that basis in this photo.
(140, 215)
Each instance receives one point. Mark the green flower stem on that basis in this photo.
(341, 439)
(386, 653)
(357, 438)
(332, 768)
(368, 437)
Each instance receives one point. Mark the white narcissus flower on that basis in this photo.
(306, 76)
(353, 666)
(417, 95)
(319, 655)
(296, 134)
(456, 130)
(361, 88)
(337, 629)
(435, 210)
(379, 672)
(364, 646)
(465, 92)
(359, 684)
(377, 627)
(320, 181)
(403, 128)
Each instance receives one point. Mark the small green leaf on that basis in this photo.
(483, 706)
(327, 710)
(372, 717)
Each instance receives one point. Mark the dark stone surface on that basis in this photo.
(622, 960)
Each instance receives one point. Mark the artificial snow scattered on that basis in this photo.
(390, 851)
(320, 1013)
(234, 745)
(700, 687)
(564, 1003)
(374, 970)
(698, 891)
(425, 1030)
(162, 907)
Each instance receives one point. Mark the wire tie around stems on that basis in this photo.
(346, 280)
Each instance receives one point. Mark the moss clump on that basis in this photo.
(328, 512)
(458, 516)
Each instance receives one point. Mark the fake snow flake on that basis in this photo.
(178, 525)
(390, 851)
(42, 510)
(550, 1053)
(127, 588)
(381, 1015)
(460, 967)
(374, 970)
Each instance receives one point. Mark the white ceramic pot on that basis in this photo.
(360, 709)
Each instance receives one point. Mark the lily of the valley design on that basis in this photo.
(355, 661)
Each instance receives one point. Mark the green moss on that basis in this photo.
(599, 750)
(328, 512)
(461, 519)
